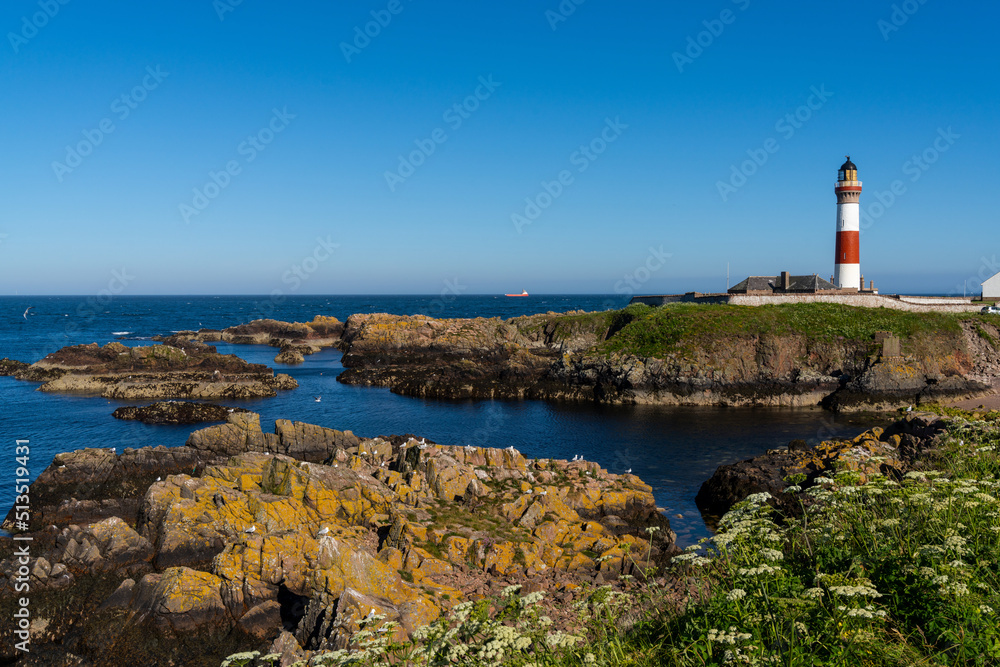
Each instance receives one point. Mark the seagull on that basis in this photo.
(469, 448)
(576, 457)
(325, 530)
(909, 409)
(319, 398)
(157, 479)
(26, 311)
(628, 472)
(251, 529)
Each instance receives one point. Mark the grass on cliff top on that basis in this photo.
(654, 332)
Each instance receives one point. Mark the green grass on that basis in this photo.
(985, 335)
(657, 332)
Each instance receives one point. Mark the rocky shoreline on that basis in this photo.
(894, 450)
(285, 540)
(635, 356)
(177, 368)
(572, 357)
(295, 339)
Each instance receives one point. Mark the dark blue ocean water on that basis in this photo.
(673, 449)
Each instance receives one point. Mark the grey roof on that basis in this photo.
(811, 283)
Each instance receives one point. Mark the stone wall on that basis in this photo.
(927, 305)
(924, 304)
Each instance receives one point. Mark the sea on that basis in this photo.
(673, 449)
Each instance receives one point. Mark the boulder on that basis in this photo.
(181, 599)
(290, 356)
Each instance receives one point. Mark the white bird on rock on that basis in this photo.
(909, 409)
(576, 457)
(628, 472)
(251, 529)
(325, 530)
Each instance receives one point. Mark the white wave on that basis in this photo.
(120, 333)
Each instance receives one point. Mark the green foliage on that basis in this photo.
(884, 572)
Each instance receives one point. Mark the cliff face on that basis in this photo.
(731, 356)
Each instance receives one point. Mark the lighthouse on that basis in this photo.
(847, 266)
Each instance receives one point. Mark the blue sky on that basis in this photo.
(257, 147)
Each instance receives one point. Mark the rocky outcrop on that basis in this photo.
(175, 412)
(11, 366)
(303, 337)
(893, 450)
(888, 378)
(594, 357)
(292, 355)
(289, 539)
(89, 485)
(242, 433)
(184, 369)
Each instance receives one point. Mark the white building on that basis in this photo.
(991, 287)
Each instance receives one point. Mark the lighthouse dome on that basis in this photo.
(848, 171)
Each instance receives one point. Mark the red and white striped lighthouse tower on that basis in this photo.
(847, 266)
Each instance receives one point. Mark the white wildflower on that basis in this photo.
(736, 594)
